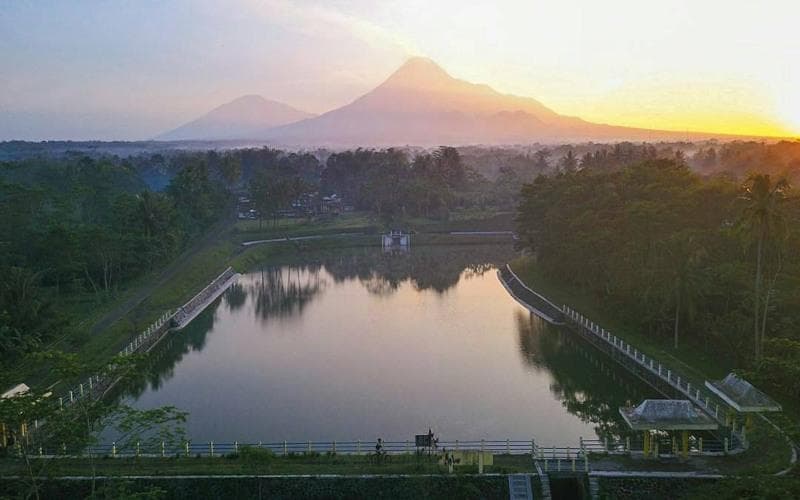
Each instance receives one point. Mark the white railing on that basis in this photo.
(698, 395)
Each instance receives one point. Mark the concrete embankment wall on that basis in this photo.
(186, 313)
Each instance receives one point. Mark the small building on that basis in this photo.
(15, 391)
(667, 415)
(396, 239)
(331, 204)
(742, 396)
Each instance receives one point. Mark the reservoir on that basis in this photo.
(359, 344)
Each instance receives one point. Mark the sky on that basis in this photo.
(131, 70)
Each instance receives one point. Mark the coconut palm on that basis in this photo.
(763, 221)
(685, 255)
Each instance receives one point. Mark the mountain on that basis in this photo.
(248, 117)
(421, 104)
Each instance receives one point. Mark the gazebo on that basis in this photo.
(666, 415)
(742, 396)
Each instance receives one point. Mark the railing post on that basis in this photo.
(456, 444)
(114, 449)
(586, 463)
(285, 450)
(334, 447)
(358, 447)
(236, 446)
(573, 465)
(508, 446)
(309, 447)
(628, 444)
(482, 445)
(408, 446)
(211, 447)
(700, 445)
(186, 447)
(138, 449)
(533, 448)
(725, 445)
(163, 449)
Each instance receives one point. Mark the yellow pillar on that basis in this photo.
(5, 437)
(646, 443)
(749, 421)
(685, 436)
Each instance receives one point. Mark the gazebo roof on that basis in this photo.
(666, 414)
(741, 395)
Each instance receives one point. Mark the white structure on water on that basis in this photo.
(396, 239)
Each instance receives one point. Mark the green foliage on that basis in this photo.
(388, 184)
(83, 226)
(466, 487)
(661, 245)
(256, 455)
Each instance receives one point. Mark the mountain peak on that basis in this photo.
(419, 72)
(246, 117)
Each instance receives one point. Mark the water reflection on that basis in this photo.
(235, 297)
(427, 268)
(588, 383)
(357, 343)
(161, 363)
(283, 292)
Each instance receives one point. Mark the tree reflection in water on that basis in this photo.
(437, 268)
(235, 296)
(588, 383)
(283, 292)
(161, 362)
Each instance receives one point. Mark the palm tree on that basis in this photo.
(763, 220)
(685, 256)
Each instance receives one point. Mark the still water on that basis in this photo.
(359, 344)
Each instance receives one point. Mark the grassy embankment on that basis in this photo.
(768, 451)
(317, 487)
(259, 463)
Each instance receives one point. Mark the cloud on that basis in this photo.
(316, 20)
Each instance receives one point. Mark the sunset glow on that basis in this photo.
(143, 67)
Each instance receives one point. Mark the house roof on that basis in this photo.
(741, 395)
(666, 414)
(16, 390)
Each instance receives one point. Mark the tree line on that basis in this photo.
(71, 227)
(689, 258)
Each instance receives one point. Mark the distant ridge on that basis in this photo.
(419, 104)
(248, 117)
